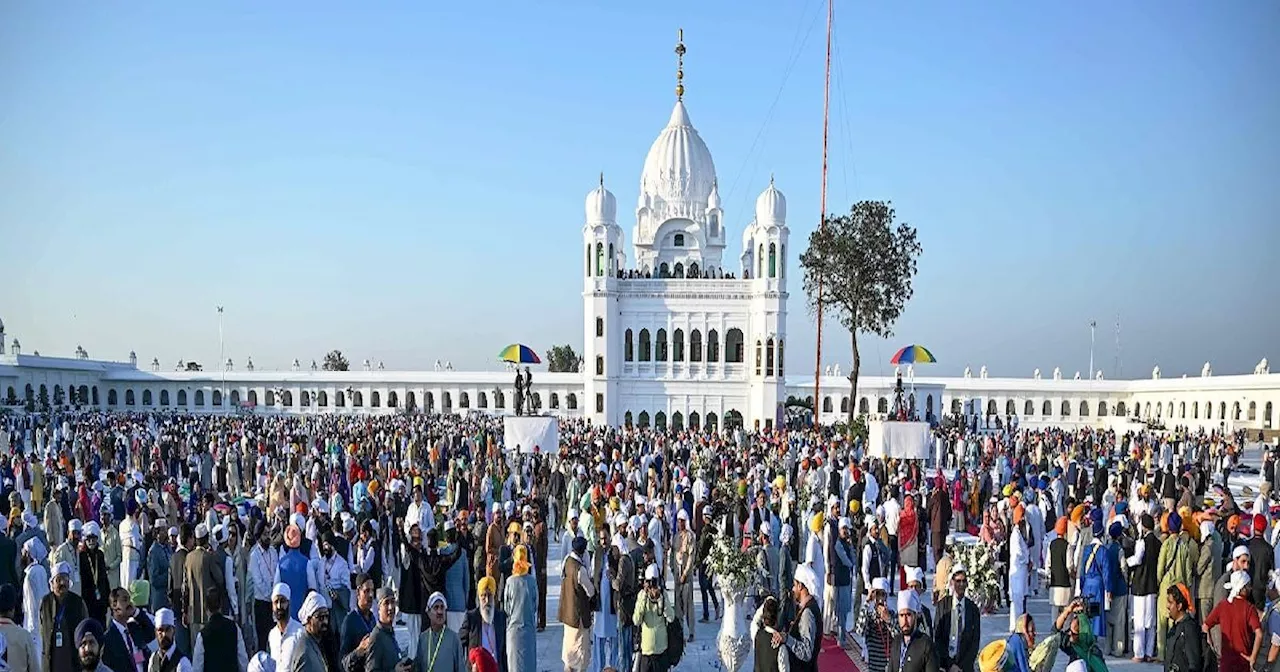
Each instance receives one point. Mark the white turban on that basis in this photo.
(907, 601)
(281, 590)
(62, 568)
(262, 662)
(164, 618)
(314, 602)
(35, 549)
(1239, 581)
(437, 598)
(787, 531)
(807, 578)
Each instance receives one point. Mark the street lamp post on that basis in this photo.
(1093, 325)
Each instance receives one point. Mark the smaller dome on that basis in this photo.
(601, 206)
(713, 201)
(771, 205)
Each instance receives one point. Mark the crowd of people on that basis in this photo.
(160, 542)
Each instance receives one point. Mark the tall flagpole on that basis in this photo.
(222, 356)
(822, 217)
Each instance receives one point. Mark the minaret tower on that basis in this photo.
(602, 262)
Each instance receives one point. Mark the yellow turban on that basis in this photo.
(815, 523)
(780, 483)
(854, 506)
(520, 561)
(513, 528)
(487, 584)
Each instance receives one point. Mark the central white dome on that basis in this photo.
(678, 168)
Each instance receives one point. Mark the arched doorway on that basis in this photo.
(732, 419)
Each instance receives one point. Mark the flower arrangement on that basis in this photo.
(734, 569)
(984, 586)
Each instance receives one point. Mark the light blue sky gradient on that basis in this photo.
(405, 182)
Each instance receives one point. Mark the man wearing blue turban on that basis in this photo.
(1094, 572)
(1118, 586)
(1178, 557)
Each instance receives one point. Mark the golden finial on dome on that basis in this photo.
(680, 64)
(602, 179)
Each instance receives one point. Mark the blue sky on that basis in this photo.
(406, 182)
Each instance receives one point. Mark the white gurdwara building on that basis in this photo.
(677, 338)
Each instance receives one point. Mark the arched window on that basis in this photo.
(679, 240)
(626, 419)
(305, 398)
(662, 346)
(1120, 409)
(844, 404)
(773, 260)
(44, 392)
(1182, 410)
(695, 421)
(1169, 410)
(411, 400)
(677, 421)
(253, 397)
(392, 399)
(759, 351)
(599, 327)
(287, 399)
(882, 405)
(660, 420)
(1235, 411)
(375, 399)
(991, 407)
(464, 400)
(599, 260)
(1222, 410)
(147, 398)
(112, 398)
(826, 404)
(1029, 408)
(57, 395)
(217, 397)
(446, 402)
(1010, 408)
(482, 400)
(928, 405)
(677, 345)
(628, 350)
(664, 271)
(864, 405)
(588, 260)
(679, 271)
(1102, 409)
(643, 420)
(733, 346)
(711, 422)
(713, 346)
(1084, 409)
(768, 355)
(182, 398)
(645, 346)
(322, 399)
(1266, 415)
(1047, 408)
(555, 400)
(1208, 410)
(499, 399)
(1066, 408)
(95, 395)
(84, 395)
(780, 357)
(1195, 410)
(695, 346)
(693, 269)
(357, 398)
(340, 399)
(271, 397)
(599, 365)
(760, 262)
(732, 419)
(571, 401)
(609, 262)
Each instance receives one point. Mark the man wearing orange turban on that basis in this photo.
(520, 602)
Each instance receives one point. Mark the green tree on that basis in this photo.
(194, 366)
(334, 361)
(562, 358)
(864, 265)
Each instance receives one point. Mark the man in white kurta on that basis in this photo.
(1020, 565)
(130, 545)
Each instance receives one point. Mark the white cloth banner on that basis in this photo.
(903, 440)
(527, 432)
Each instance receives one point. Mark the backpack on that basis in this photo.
(675, 644)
